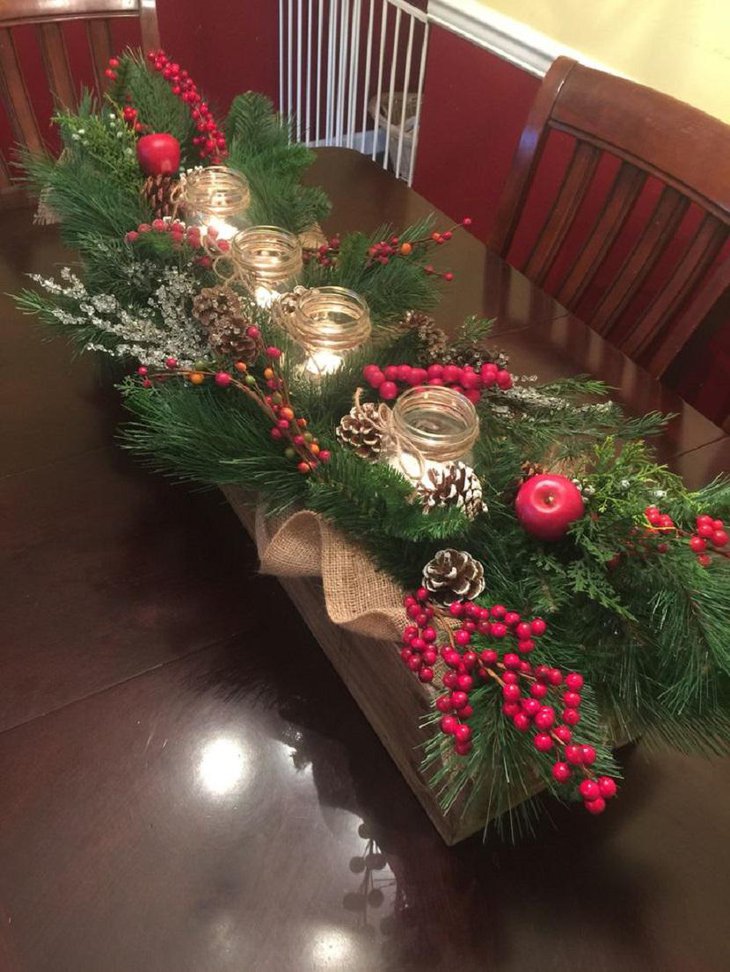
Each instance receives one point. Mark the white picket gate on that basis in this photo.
(351, 73)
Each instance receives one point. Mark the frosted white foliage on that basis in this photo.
(163, 328)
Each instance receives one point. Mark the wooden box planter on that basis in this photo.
(392, 700)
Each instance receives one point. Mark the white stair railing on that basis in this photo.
(351, 74)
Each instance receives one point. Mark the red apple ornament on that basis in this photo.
(158, 154)
(546, 505)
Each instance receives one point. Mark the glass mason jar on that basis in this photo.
(267, 260)
(216, 198)
(328, 322)
(432, 426)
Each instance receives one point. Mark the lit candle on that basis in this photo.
(224, 230)
(263, 296)
(267, 260)
(329, 323)
(322, 362)
(216, 198)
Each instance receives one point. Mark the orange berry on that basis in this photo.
(287, 413)
(197, 377)
(241, 366)
(406, 248)
(268, 374)
(435, 237)
(314, 448)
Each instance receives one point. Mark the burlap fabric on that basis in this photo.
(357, 596)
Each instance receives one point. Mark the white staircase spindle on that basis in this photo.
(366, 89)
(391, 93)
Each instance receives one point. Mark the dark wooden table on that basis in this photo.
(187, 786)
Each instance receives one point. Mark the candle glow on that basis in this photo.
(328, 323)
(322, 362)
(224, 230)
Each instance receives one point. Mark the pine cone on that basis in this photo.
(362, 430)
(476, 356)
(229, 338)
(217, 305)
(454, 485)
(453, 575)
(162, 192)
(530, 469)
(435, 342)
(220, 310)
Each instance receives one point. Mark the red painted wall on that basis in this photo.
(229, 46)
(474, 108)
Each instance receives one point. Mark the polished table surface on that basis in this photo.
(187, 787)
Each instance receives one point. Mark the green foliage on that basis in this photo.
(85, 198)
(206, 435)
(98, 133)
(157, 107)
(373, 504)
(391, 289)
(259, 146)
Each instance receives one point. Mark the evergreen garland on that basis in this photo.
(628, 605)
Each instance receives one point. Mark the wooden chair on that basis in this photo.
(49, 16)
(651, 137)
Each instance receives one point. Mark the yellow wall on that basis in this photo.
(681, 47)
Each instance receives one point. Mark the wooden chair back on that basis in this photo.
(651, 137)
(48, 16)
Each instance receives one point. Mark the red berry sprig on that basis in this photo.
(710, 536)
(384, 251)
(325, 255)
(303, 446)
(180, 235)
(387, 380)
(111, 68)
(287, 427)
(210, 139)
(527, 690)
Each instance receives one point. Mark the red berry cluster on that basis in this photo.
(111, 69)
(710, 535)
(181, 234)
(210, 139)
(526, 689)
(130, 116)
(326, 254)
(709, 531)
(466, 379)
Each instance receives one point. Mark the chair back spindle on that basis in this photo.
(646, 276)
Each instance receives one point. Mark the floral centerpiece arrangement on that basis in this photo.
(561, 591)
